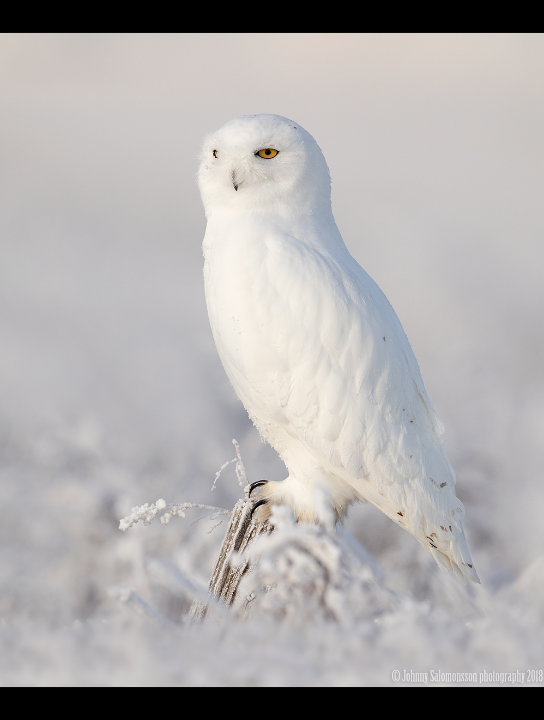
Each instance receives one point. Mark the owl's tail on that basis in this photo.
(451, 554)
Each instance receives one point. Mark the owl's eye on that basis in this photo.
(267, 153)
(215, 153)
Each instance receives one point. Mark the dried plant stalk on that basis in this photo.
(226, 576)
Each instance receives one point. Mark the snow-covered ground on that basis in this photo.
(112, 395)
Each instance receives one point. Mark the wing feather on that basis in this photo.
(356, 396)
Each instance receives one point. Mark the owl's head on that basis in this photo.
(260, 162)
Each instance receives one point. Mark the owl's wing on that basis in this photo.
(350, 387)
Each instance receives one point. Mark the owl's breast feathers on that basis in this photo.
(310, 343)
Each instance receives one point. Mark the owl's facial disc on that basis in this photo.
(265, 153)
(260, 162)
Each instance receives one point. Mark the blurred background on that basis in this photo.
(111, 391)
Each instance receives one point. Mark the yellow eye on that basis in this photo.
(267, 153)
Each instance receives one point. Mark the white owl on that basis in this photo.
(313, 348)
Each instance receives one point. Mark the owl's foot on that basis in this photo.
(254, 485)
(262, 514)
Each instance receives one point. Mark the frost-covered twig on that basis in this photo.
(240, 469)
(212, 516)
(147, 512)
(218, 473)
(231, 565)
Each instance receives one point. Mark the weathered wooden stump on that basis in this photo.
(242, 530)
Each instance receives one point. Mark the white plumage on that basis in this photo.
(312, 346)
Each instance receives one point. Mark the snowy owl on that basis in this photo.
(313, 348)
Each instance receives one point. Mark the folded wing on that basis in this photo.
(349, 386)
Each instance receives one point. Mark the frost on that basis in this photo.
(218, 473)
(240, 469)
(314, 598)
(309, 573)
(148, 512)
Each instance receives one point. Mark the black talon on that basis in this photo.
(257, 504)
(256, 484)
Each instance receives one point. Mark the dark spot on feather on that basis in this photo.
(434, 535)
(443, 528)
(411, 421)
(384, 338)
(451, 529)
(399, 513)
(443, 485)
(469, 565)
(434, 546)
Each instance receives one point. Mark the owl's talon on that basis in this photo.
(254, 485)
(257, 504)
